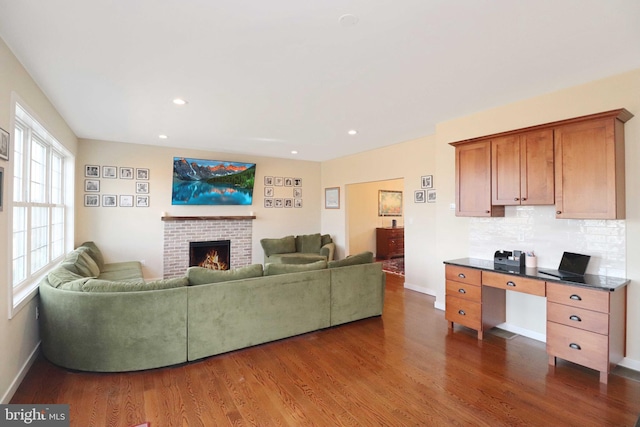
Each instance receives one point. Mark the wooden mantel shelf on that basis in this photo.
(206, 218)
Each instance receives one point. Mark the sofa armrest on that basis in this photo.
(328, 251)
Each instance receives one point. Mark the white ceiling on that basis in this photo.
(268, 77)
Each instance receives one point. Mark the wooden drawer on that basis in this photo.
(395, 233)
(588, 320)
(580, 297)
(576, 345)
(464, 290)
(463, 274)
(513, 283)
(464, 312)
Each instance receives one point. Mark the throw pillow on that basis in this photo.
(326, 239)
(61, 275)
(203, 276)
(95, 253)
(309, 243)
(361, 258)
(285, 245)
(84, 264)
(275, 269)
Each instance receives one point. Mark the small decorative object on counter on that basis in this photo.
(531, 260)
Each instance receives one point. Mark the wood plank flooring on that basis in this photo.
(402, 369)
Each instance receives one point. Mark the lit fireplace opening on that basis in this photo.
(213, 255)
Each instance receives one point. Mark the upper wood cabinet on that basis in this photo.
(473, 180)
(589, 165)
(576, 164)
(522, 169)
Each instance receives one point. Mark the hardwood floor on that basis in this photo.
(402, 369)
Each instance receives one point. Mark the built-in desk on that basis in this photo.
(586, 317)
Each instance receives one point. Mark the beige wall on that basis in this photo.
(19, 336)
(362, 213)
(125, 233)
(433, 233)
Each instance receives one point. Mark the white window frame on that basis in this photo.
(21, 293)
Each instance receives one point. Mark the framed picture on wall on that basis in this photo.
(431, 196)
(92, 185)
(142, 173)
(109, 200)
(4, 144)
(126, 201)
(126, 173)
(142, 201)
(92, 171)
(419, 196)
(332, 198)
(109, 172)
(427, 181)
(92, 200)
(389, 203)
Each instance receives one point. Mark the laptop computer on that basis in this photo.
(571, 266)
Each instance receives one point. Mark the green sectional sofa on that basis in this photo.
(93, 324)
(301, 249)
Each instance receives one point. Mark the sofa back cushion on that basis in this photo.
(61, 275)
(309, 243)
(361, 258)
(275, 269)
(97, 285)
(94, 253)
(284, 245)
(325, 238)
(203, 276)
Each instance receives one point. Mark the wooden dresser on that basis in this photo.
(389, 242)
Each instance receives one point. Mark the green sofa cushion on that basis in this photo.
(325, 238)
(61, 275)
(97, 285)
(275, 269)
(74, 285)
(285, 245)
(361, 258)
(309, 243)
(122, 271)
(203, 276)
(94, 253)
(82, 263)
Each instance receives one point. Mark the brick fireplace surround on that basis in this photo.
(180, 230)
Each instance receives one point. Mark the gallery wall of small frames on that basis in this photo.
(282, 192)
(95, 175)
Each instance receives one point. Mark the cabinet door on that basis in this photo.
(536, 168)
(505, 170)
(589, 162)
(473, 180)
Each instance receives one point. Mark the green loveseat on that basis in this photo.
(126, 325)
(300, 249)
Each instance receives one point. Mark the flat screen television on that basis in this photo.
(212, 182)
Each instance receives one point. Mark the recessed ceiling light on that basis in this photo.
(348, 20)
(163, 136)
(352, 132)
(294, 152)
(179, 101)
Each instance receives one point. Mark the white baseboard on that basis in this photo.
(21, 374)
(420, 289)
(630, 363)
(524, 332)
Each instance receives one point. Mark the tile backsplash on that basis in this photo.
(535, 228)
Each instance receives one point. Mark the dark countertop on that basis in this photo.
(604, 283)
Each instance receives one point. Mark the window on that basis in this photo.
(42, 204)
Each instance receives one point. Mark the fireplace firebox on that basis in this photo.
(214, 255)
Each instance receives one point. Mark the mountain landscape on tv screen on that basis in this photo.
(212, 182)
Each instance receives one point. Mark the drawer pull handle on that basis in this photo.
(462, 276)
(461, 312)
(575, 318)
(575, 297)
(462, 291)
(575, 346)
(510, 283)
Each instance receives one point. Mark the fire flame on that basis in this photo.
(213, 262)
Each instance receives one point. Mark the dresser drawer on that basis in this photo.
(463, 274)
(576, 345)
(575, 317)
(464, 290)
(464, 312)
(577, 296)
(513, 283)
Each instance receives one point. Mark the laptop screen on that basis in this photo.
(574, 263)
